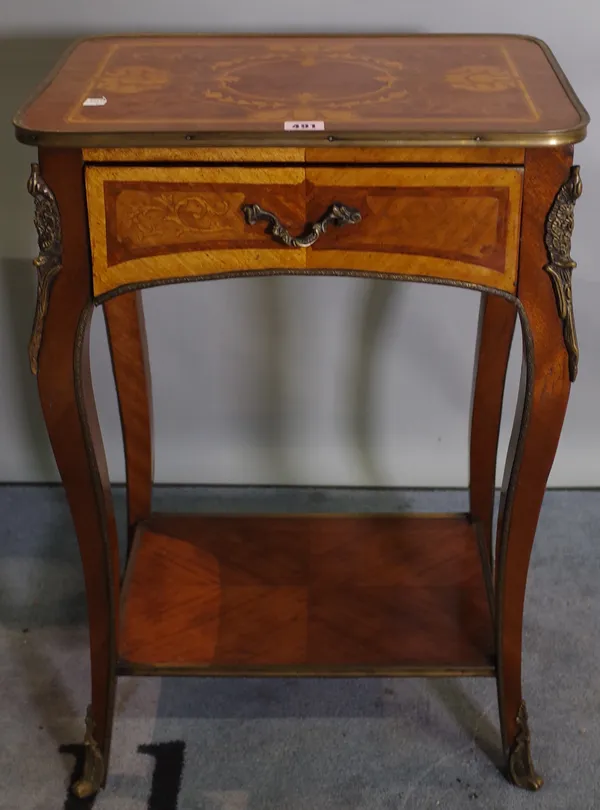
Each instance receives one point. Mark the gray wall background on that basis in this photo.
(294, 380)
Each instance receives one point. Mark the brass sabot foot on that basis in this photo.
(521, 770)
(92, 778)
(83, 789)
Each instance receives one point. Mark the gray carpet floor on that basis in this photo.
(285, 744)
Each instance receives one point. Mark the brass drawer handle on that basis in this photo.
(337, 214)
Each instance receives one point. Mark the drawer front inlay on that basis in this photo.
(154, 223)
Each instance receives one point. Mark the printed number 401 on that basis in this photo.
(293, 126)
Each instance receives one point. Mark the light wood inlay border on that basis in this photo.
(223, 260)
(204, 154)
(469, 156)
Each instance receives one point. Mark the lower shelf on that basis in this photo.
(322, 595)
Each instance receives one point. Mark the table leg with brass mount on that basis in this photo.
(389, 188)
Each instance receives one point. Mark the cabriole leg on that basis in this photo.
(59, 353)
(549, 368)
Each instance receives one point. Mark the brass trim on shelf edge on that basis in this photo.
(48, 262)
(128, 668)
(146, 524)
(557, 237)
(148, 139)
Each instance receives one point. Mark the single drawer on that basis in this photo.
(149, 224)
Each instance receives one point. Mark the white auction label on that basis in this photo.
(294, 126)
(95, 101)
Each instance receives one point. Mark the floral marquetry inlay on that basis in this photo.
(480, 79)
(183, 212)
(238, 81)
(188, 91)
(380, 84)
(134, 79)
(149, 220)
(145, 218)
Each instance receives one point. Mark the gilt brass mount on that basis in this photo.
(337, 214)
(49, 259)
(520, 764)
(559, 229)
(93, 767)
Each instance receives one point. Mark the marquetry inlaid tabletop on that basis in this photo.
(164, 89)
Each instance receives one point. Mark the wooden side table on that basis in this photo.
(439, 159)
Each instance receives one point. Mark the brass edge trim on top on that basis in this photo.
(148, 140)
(114, 139)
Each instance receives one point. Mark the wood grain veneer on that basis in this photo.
(306, 593)
(153, 223)
(497, 318)
(69, 409)
(156, 91)
(264, 154)
(548, 375)
(126, 330)
(456, 151)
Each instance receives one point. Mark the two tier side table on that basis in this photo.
(437, 159)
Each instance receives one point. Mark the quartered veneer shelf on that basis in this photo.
(311, 595)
